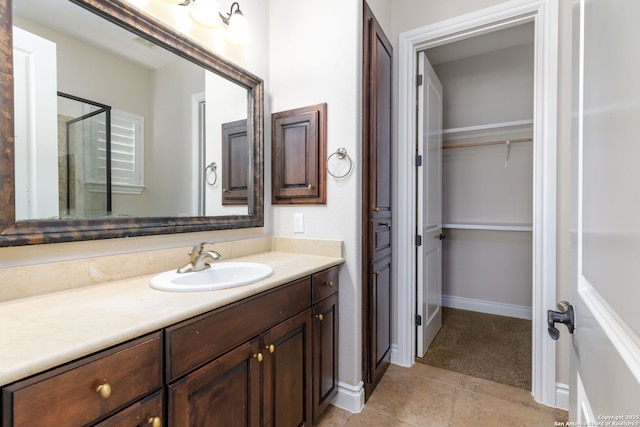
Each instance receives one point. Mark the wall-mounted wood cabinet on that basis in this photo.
(299, 151)
(235, 163)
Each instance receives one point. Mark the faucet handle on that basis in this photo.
(198, 248)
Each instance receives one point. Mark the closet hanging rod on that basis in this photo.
(478, 144)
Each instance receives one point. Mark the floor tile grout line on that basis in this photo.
(453, 404)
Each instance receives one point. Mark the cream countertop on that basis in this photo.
(45, 331)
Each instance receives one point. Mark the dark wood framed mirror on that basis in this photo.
(15, 231)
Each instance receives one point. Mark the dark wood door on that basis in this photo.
(287, 373)
(325, 353)
(235, 163)
(225, 392)
(376, 208)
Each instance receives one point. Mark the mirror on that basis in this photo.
(186, 128)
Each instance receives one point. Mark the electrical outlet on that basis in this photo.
(298, 223)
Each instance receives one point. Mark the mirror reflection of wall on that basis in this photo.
(151, 85)
(218, 114)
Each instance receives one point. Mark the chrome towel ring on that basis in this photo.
(214, 172)
(340, 154)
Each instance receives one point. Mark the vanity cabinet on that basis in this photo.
(225, 392)
(267, 360)
(87, 391)
(325, 339)
(263, 380)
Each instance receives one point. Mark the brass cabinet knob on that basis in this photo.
(155, 422)
(309, 186)
(376, 209)
(271, 348)
(104, 390)
(377, 272)
(329, 284)
(259, 356)
(320, 317)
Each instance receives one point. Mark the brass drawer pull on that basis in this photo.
(271, 348)
(155, 422)
(104, 390)
(320, 317)
(329, 284)
(376, 209)
(259, 356)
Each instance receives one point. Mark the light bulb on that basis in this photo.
(205, 13)
(238, 32)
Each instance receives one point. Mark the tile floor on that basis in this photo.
(424, 395)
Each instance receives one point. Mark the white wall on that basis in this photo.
(487, 266)
(169, 152)
(315, 58)
(489, 88)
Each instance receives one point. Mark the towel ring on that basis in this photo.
(214, 170)
(340, 153)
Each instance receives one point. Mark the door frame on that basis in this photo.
(544, 13)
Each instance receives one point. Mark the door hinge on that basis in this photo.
(418, 160)
(419, 80)
(418, 240)
(418, 320)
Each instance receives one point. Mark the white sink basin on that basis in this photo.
(221, 275)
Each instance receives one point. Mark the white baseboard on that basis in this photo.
(350, 397)
(562, 396)
(489, 307)
(395, 357)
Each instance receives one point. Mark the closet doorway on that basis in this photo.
(475, 188)
(544, 15)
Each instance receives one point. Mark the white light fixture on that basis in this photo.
(206, 13)
(238, 32)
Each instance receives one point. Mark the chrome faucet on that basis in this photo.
(199, 258)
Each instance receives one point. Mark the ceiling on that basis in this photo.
(485, 43)
(77, 23)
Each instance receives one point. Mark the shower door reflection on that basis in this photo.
(84, 158)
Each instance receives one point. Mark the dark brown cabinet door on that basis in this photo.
(380, 295)
(235, 163)
(287, 373)
(223, 393)
(325, 353)
(376, 204)
(299, 147)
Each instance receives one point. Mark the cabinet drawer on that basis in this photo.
(192, 343)
(145, 412)
(325, 283)
(69, 396)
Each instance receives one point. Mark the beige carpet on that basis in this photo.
(495, 348)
